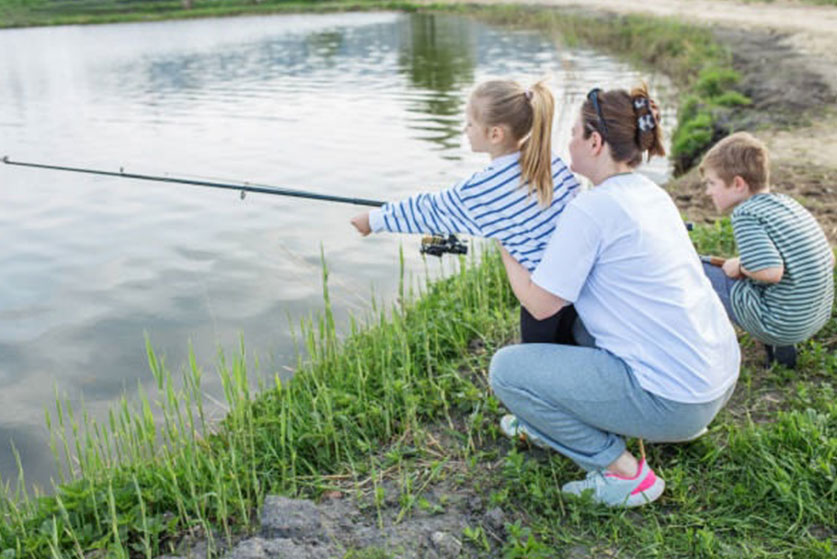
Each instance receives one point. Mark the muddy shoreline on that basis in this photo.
(789, 94)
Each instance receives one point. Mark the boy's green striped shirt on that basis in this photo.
(773, 230)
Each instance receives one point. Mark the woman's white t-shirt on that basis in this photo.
(622, 256)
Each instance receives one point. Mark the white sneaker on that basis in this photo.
(616, 491)
(512, 428)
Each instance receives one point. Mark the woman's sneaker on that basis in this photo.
(616, 491)
(512, 428)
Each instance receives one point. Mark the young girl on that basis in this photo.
(662, 356)
(516, 199)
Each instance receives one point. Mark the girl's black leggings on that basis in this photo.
(557, 329)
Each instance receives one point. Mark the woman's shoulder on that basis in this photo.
(622, 188)
(594, 203)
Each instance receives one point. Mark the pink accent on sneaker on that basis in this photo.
(648, 481)
(638, 471)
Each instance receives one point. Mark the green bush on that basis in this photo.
(714, 81)
(692, 138)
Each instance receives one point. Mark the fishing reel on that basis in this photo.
(437, 245)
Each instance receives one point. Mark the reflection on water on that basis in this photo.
(437, 56)
(367, 105)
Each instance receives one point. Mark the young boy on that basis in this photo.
(780, 288)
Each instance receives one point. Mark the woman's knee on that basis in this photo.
(503, 368)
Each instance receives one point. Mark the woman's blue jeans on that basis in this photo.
(582, 401)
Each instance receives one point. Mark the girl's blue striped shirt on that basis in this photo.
(492, 204)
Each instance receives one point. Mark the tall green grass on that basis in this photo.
(129, 485)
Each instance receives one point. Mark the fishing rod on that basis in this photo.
(713, 260)
(435, 245)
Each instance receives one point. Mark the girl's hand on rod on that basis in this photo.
(361, 223)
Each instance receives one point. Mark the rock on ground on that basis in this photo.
(337, 528)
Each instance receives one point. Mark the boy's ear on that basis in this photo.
(738, 183)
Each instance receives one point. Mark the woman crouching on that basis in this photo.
(658, 357)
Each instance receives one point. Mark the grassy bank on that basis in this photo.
(761, 484)
(134, 485)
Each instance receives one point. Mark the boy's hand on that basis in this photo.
(361, 223)
(732, 268)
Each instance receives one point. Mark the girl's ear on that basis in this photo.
(496, 135)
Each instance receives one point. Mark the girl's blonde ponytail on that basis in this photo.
(536, 149)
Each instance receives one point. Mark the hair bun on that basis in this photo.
(647, 113)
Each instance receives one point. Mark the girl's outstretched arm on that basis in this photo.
(439, 212)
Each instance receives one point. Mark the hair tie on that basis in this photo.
(640, 103)
(528, 94)
(646, 122)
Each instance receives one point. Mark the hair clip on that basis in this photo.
(640, 102)
(646, 122)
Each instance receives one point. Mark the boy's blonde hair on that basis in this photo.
(739, 155)
(527, 113)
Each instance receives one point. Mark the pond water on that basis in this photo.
(366, 105)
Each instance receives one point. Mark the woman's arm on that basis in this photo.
(539, 302)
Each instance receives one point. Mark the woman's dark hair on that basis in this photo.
(628, 122)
